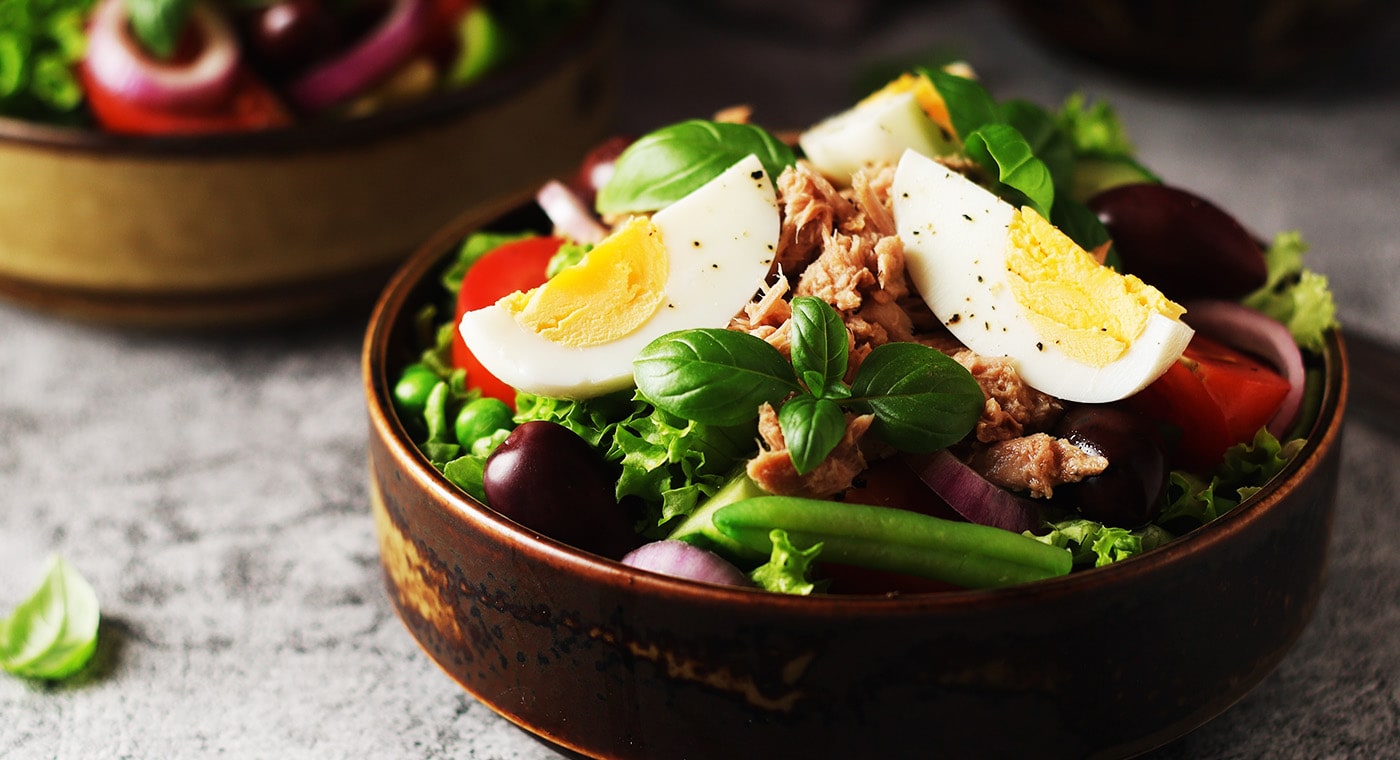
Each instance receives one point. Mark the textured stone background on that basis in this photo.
(212, 487)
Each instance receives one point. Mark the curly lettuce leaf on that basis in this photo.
(1193, 500)
(787, 570)
(1094, 128)
(1294, 294)
(1093, 544)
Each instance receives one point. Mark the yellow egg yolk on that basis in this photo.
(610, 293)
(924, 92)
(1089, 311)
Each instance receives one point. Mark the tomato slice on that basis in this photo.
(518, 265)
(1213, 397)
(252, 106)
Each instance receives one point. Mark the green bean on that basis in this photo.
(895, 540)
(699, 529)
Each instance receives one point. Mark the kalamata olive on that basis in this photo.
(597, 166)
(550, 480)
(1130, 492)
(1181, 243)
(287, 36)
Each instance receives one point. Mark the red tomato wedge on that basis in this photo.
(252, 106)
(1216, 397)
(518, 265)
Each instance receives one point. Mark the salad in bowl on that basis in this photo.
(178, 67)
(937, 341)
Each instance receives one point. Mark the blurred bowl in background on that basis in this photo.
(269, 225)
(1257, 42)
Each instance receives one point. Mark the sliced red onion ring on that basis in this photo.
(1244, 328)
(570, 215)
(373, 58)
(684, 560)
(117, 62)
(972, 495)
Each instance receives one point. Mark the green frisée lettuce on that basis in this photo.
(1295, 295)
(40, 42)
(52, 634)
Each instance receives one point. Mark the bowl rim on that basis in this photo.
(389, 311)
(329, 134)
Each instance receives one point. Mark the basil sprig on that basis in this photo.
(922, 400)
(664, 166)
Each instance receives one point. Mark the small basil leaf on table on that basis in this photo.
(922, 399)
(819, 346)
(53, 633)
(664, 166)
(712, 375)
(811, 429)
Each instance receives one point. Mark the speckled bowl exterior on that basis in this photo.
(606, 661)
(264, 225)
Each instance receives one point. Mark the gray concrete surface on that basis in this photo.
(212, 487)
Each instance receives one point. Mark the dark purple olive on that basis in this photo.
(1130, 492)
(286, 37)
(597, 166)
(551, 481)
(1181, 243)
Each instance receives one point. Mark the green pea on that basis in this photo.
(412, 389)
(896, 540)
(481, 418)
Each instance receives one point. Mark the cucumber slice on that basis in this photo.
(1094, 175)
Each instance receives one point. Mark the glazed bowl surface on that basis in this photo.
(272, 224)
(603, 660)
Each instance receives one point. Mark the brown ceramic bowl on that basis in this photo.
(266, 225)
(607, 661)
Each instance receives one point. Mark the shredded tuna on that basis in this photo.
(870, 192)
(1012, 408)
(768, 317)
(811, 206)
(1036, 463)
(772, 467)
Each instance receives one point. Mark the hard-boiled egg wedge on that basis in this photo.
(1008, 283)
(901, 116)
(695, 263)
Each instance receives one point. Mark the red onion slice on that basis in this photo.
(973, 496)
(117, 62)
(373, 58)
(1249, 330)
(684, 560)
(570, 215)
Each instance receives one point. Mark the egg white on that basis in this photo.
(955, 236)
(875, 131)
(720, 240)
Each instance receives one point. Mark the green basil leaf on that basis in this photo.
(712, 375)
(922, 399)
(53, 633)
(666, 165)
(1046, 139)
(1003, 151)
(158, 24)
(811, 428)
(970, 106)
(819, 346)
